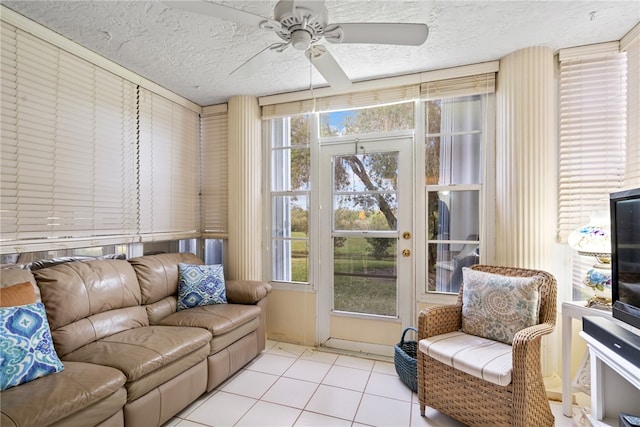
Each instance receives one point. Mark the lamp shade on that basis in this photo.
(593, 239)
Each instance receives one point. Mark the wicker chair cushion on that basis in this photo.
(496, 306)
(477, 356)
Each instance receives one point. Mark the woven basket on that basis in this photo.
(405, 361)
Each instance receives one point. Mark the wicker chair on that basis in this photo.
(475, 401)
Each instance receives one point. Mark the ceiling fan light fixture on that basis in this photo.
(300, 39)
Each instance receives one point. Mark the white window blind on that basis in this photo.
(592, 134)
(632, 172)
(215, 172)
(68, 149)
(460, 86)
(343, 102)
(168, 162)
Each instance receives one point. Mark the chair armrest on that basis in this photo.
(439, 319)
(246, 291)
(526, 351)
(532, 332)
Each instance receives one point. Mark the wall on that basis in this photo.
(291, 317)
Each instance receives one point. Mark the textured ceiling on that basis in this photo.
(192, 55)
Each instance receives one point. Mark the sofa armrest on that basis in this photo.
(246, 291)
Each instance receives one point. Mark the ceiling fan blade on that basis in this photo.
(225, 12)
(378, 33)
(255, 64)
(326, 65)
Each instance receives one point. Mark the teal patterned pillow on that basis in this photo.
(26, 348)
(200, 285)
(496, 306)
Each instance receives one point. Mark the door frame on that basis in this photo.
(403, 142)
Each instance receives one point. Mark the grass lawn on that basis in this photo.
(358, 286)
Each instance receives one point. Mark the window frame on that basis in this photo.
(486, 143)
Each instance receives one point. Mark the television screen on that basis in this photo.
(625, 256)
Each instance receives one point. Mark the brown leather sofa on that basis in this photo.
(129, 357)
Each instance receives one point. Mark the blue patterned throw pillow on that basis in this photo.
(26, 348)
(200, 285)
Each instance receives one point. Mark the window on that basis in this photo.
(290, 190)
(88, 157)
(168, 169)
(68, 149)
(290, 176)
(214, 170)
(592, 140)
(386, 118)
(592, 133)
(453, 181)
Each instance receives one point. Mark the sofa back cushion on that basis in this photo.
(158, 276)
(89, 300)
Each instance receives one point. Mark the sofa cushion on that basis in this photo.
(481, 357)
(27, 351)
(158, 274)
(50, 262)
(147, 356)
(226, 322)
(496, 306)
(200, 285)
(58, 396)
(238, 292)
(20, 294)
(88, 300)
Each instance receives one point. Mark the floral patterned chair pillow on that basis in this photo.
(496, 306)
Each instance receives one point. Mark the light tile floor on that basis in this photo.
(291, 385)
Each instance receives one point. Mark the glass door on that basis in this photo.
(366, 243)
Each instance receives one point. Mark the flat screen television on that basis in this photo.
(625, 255)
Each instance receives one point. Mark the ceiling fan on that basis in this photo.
(303, 24)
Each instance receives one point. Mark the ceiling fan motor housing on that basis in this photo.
(303, 23)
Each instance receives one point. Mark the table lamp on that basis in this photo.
(594, 239)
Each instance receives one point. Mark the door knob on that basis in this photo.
(406, 253)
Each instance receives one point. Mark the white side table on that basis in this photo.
(572, 310)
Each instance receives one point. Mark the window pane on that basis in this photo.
(453, 215)
(290, 216)
(453, 159)
(386, 118)
(372, 172)
(291, 260)
(364, 212)
(213, 251)
(291, 131)
(452, 218)
(446, 263)
(454, 115)
(365, 275)
(300, 130)
(290, 169)
(364, 192)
